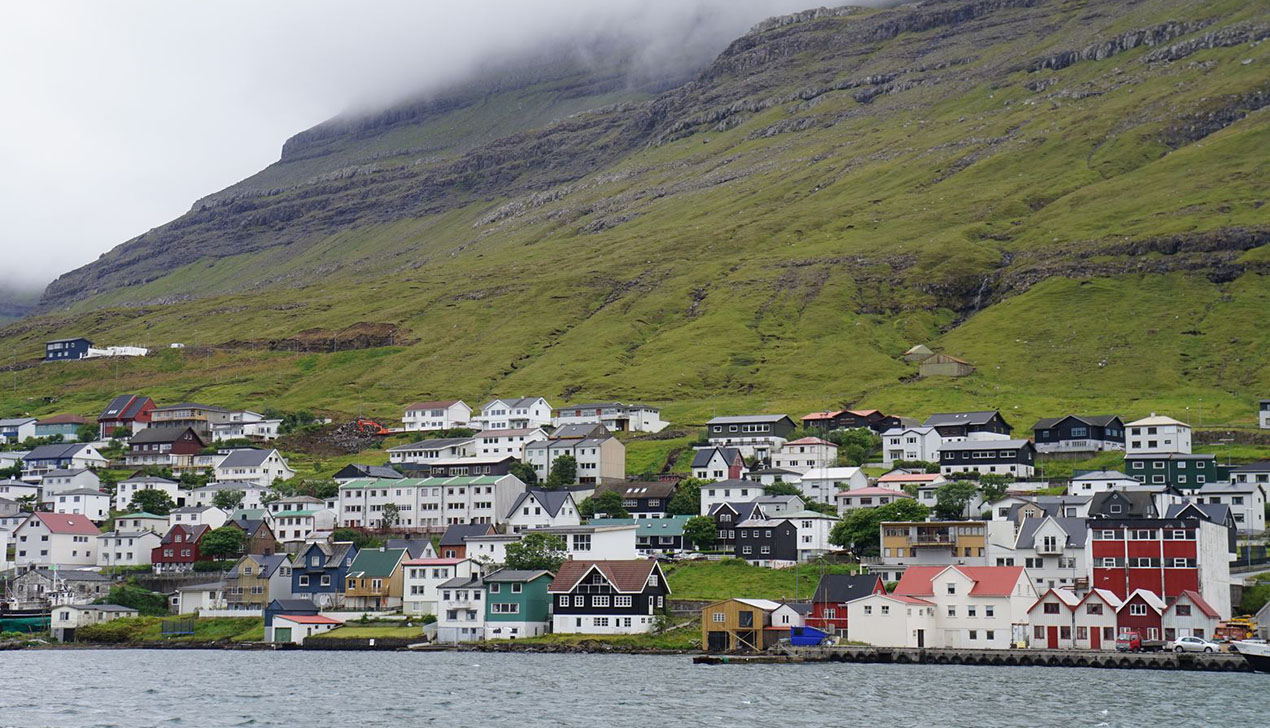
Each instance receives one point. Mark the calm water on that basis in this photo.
(136, 688)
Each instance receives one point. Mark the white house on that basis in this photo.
(193, 598)
(1064, 620)
(600, 457)
(66, 619)
(1095, 481)
(521, 413)
(911, 444)
(422, 580)
(16, 429)
(245, 424)
(813, 532)
(84, 501)
(717, 463)
(60, 481)
(1157, 435)
(427, 451)
(1189, 615)
(1053, 550)
(461, 610)
(507, 441)
(596, 542)
(126, 489)
(436, 415)
(303, 525)
(542, 509)
(822, 484)
(490, 549)
(17, 489)
(296, 628)
(805, 454)
(126, 548)
(790, 614)
(614, 416)
(253, 494)
(5, 537)
(1247, 502)
(142, 522)
(209, 516)
(64, 539)
(849, 500)
(891, 620)
(728, 491)
(984, 607)
(428, 503)
(248, 465)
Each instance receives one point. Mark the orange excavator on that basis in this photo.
(371, 428)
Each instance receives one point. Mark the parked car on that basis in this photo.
(1192, 644)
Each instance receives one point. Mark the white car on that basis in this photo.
(1192, 644)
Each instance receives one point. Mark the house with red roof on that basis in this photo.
(1142, 612)
(1062, 619)
(617, 596)
(1189, 615)
(442, 414)
(973, 606)
(65, 539)
(295, 628)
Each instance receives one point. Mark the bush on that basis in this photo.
(146, 602)
(202, 567)
(119, 631)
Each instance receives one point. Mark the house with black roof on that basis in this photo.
(1123, 504)
(643, 499)
(1003, 457)
(124, 412)
(537, 508)
(355, 471)
(1078, 433)
(718, 463)
(961, 425)
(753, 435)
(66, 349)
(453, 542)
(829, 604)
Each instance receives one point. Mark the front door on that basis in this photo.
(1051, 634)
(1095, 638)
(921, 638)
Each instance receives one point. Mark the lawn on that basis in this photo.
(734, 578)
(368, 631)
(149, 630)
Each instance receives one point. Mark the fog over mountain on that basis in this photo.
(126, 112)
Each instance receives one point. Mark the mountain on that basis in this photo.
(1066, 193)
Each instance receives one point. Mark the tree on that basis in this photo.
(855, 445)
(536, 552)
(223, 543)
(687, 498)
(13, 472)
(923, 465)
(828, 509)
(951, 499)
(701, 532)
(153, 501)
(858, 529)
(358, 538)
(228, 500)
(993, 486)
(609, 503)
(525, 472)
(146, 602)
(391, 514)
(564, 471)
(780, 487)
(86, 432)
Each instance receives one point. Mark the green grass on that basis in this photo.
(356, 631)
(141, 630)
(776, 273)
(716, 580)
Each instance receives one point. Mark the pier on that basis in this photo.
(1220, 662)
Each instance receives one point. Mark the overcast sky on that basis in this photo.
(118, 115)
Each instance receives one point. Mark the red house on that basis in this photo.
(1142, 611)
(829, 604)
(124, 411)
(1165, 556)
(178, 551)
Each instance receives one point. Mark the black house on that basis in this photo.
(1123, 504)
(727, 516)
(456, 467)
(962, 424)
(643, 499)
(66, 349)
(1003, 457)
(1079, 433)
(617, 596)
(761, 542)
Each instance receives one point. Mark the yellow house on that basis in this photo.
(931, 542)
(374, 579)
(258, 579)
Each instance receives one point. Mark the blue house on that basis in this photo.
(63, 349)
(318, 573)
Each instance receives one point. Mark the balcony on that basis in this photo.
(932, 538)
(1052, 548)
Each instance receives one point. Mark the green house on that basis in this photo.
(1183, 470)
(517, 604)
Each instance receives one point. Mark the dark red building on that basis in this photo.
(829, 605)
(178, 551)
(1142, 612)
(1165, 556)
(124, 411)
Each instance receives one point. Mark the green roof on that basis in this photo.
(251, 514)
(141, 514)
(422, 482)
(673, 526)
(374, 563)
(293, 514)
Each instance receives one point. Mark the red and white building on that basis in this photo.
(1164, 556)
(1142, 612)
(64, 539)
(1062, 619)
(1190, 615)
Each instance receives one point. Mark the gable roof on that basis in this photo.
(194, 533)
(910, 478)
(66, 523)
(641, 489)
(990, 581)
(1076, 529)
(359, 470)
(986, 445)
(943, 419)
(435, 444)
(1198, 601)
(456, 534)
(163, 435)
(628, 576)
(1156, 420)
(1092, 420)
(748, 419)
(516, 575)
(841, 588)
(55, 452)
(435, 404)
(1218, 513)
(1150, 597)
(376, 563)
(245, 458)
(63, 420)
(551, 500)
(123, 407)
(1139, 503)
(702, 457)
(808, 441)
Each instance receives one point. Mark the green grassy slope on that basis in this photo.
(1093, 238)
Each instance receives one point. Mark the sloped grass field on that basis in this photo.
(716, 580)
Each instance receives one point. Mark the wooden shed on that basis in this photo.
(739, 625)
(918, 354)
(942, 365)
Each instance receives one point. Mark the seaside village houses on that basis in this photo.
(1148, 545)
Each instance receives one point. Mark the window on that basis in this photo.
(1038, 632)
(1093, 609)
(1182, 610)
(989, 611)
(718, 617)
(493, 588)
(952, 611)
(1051, 608)
(886, 609)
(516, 588)
(564, 600)
(974, 634)
(990, 634)
(302, 580)
(579, 600)
(952, 588)
(971, 611)
(868, 610)
(600, 601)
(1138, 610)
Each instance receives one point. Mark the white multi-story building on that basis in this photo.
(1263, 414)
(126, 489)
(822, 484)
(142, 522)
(461, 610)
(436, 415)
(1096, 481)
(717, 463)
(542, 509)
(60, 481)
(596, 542)
(1247, 503)
(428, 503)
(600, 457)
(1053, 550)
(615, 416)
(16, 429)
(948, 606)
(523, 413)
(303, 525)
(206, 495)
(813, 532)
(497, 443)
(88, 502)
(490, 548)
(261, 467)
(728, 491)
(126, 548)
(209, 516)
(911, 444)
(1157, 435)
(422, 580)
(64, 539)
(427, 451)
(805, 454)
(245, 424)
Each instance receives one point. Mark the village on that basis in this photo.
(519, 521)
